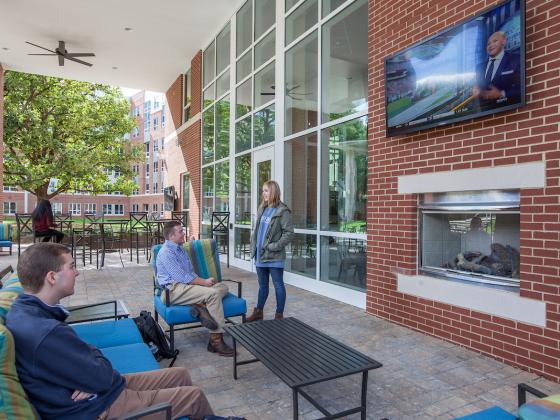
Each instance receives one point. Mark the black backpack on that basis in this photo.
(153, 336)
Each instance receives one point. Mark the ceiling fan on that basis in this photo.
(62, 54)
(289, 92)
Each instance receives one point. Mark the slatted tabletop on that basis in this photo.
(299, 354)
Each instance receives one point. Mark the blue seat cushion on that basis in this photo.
(131, 358)
(492, 413)
(5, 243)
(181, 314)
(109, 333)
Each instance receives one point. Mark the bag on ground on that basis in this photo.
(153, 336)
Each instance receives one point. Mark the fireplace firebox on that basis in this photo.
(470, 236)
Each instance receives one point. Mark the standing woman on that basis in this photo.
(43, 222)
(273, 231)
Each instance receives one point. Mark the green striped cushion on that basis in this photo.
(13, 402)
(547, 408)
(5, 232)
(11, 290)
(205, 258)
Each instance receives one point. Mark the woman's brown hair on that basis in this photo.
(273, 194)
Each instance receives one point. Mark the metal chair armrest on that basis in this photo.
(239, 286)
(522, 390)
(91, 305)
(166, 407)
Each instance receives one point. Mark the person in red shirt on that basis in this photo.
(43, 222)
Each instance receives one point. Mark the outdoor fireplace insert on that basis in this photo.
(470, 236)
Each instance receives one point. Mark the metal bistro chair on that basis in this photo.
(139, 226)
(24, 224)
(87, 237)
(64, 222)
(219, 229)
(183, 217)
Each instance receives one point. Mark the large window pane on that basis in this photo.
(244, 66)
(265, 49)
(243, 99)
(343, 262)
(330, 5)
(222, 128)
(243, 189)
(242, 239)
(301, 255)
(208, 136)
(265, 15)
(290, 3)
(186, 190)
(222, 187)
(208, 96)
(222, 85)
(344, 177)
(344, 65)
(208, 193)
(187, 88)
(301, 85)
(300, 169)
(223, 49)
(209, 63)
(244, 27)
(264, 85)
(264, 126)
(243, 135)
(303, 18)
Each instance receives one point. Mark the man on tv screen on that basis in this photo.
(497, 78)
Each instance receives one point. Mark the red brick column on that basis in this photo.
(174, 96)
(529, 133)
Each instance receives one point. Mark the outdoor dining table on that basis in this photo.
(121, 223)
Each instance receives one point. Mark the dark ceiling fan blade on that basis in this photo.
(79, 61)
(67, 55)
(268, 93)
(38, 46)
(43, 54)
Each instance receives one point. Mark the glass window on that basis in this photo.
(243, 189)
(302, 19)
(9, 207)
(265, 49)
(242, 243)
(243, 99)
(343, 262)
(223, 49)
(265, 16)
(186, 190)
(264, 126)
(330, 5)
(300, 193)
(243, 135)
(264, 85)
(301, 85)
(222, 187)
(208, 193)
(344, 177)
(222, 128)
(57, 208)
(209, 64)
(290, 4)
(301, 255)
(208, 135)
(222, 85)
(244, 66)
(344, 67)
(244, 25)
(209, 96)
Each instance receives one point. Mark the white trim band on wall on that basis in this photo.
(523, 175)
(475, 297)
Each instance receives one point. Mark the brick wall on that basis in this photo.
(189, 141)
(530, 133)
(196, 84)
(174, 97)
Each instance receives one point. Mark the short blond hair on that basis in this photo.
(273, 196)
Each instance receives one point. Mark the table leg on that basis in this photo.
(234, 359)
(364, 394)
(295, 403)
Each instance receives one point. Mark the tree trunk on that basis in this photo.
(41, 192)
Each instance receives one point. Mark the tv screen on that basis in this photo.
(472, 69)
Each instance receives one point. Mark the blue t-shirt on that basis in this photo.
(263, 226)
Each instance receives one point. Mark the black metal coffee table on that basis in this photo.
(301, 355)
(113, 309)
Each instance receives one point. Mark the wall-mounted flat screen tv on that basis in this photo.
(472, 69)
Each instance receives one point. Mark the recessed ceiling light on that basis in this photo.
(128, 29)
(5, 48)
(115, 67)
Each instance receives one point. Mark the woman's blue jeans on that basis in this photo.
(277, 274)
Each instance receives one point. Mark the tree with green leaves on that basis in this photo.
(70, 132)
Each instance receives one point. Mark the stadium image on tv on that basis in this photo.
(472, 69)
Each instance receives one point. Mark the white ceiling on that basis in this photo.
(166, 35)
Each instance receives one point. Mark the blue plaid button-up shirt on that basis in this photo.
(173, 265)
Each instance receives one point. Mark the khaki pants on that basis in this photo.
(171, 385)
(187, 294)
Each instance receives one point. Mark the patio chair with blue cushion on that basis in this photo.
(204, 256)
(6, 236)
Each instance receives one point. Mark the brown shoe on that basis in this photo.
(278, 315)
(257, 315)
(200, 312)
(218, 345)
